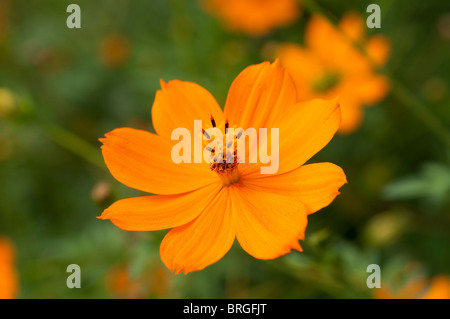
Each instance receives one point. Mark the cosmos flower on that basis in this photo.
(329, 65)
(209, 205)
(8, 274)
(254, 17)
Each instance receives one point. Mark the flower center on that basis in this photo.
(222, 157)
(326, 82)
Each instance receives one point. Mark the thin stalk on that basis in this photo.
(73, 143)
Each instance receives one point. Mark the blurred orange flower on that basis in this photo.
(114, 50)
(209, 205)
(9, 285)
(419, 288)
(254, 17)
(329, 66)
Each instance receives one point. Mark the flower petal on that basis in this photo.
(9, 279)
(352, 116)
(254, 17)
(149, 213)
(317, 30)
(333, 45)
(260, 96)
(378, 47)
(304, 66)
(352, 24)
(203, 241)
(315, 185)
(267, 225)
(307, 131)
(179, 103)
(142, 160)
(371, 88)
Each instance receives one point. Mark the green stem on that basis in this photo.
(421, 111)
(73, 143)
(54, 132)
(312, 7)
(402, 93)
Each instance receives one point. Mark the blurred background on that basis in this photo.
(61, 89)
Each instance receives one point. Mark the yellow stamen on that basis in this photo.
(229, 176)
(227, 170)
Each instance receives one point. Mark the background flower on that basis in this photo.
(254, 17)
(329, 65)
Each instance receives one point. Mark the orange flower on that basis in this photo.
(254, 17)
(419, 288)
(207, 206)
(8, 276)
(329, 66)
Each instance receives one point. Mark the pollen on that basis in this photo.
(222, 157)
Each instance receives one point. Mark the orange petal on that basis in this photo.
(352, 116)
(353, 25)
(440, 288)
(254, 17)
(364, 88)
(333, 45)
(203, 241)
(372, 88)
(267, 225)
(315, 185)
(179, 103)
(304, 66)
(322, 37)
(307, 131)
(9, 282)
(378, 47)
(142, 160)
(148, 213)
(260, 96)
